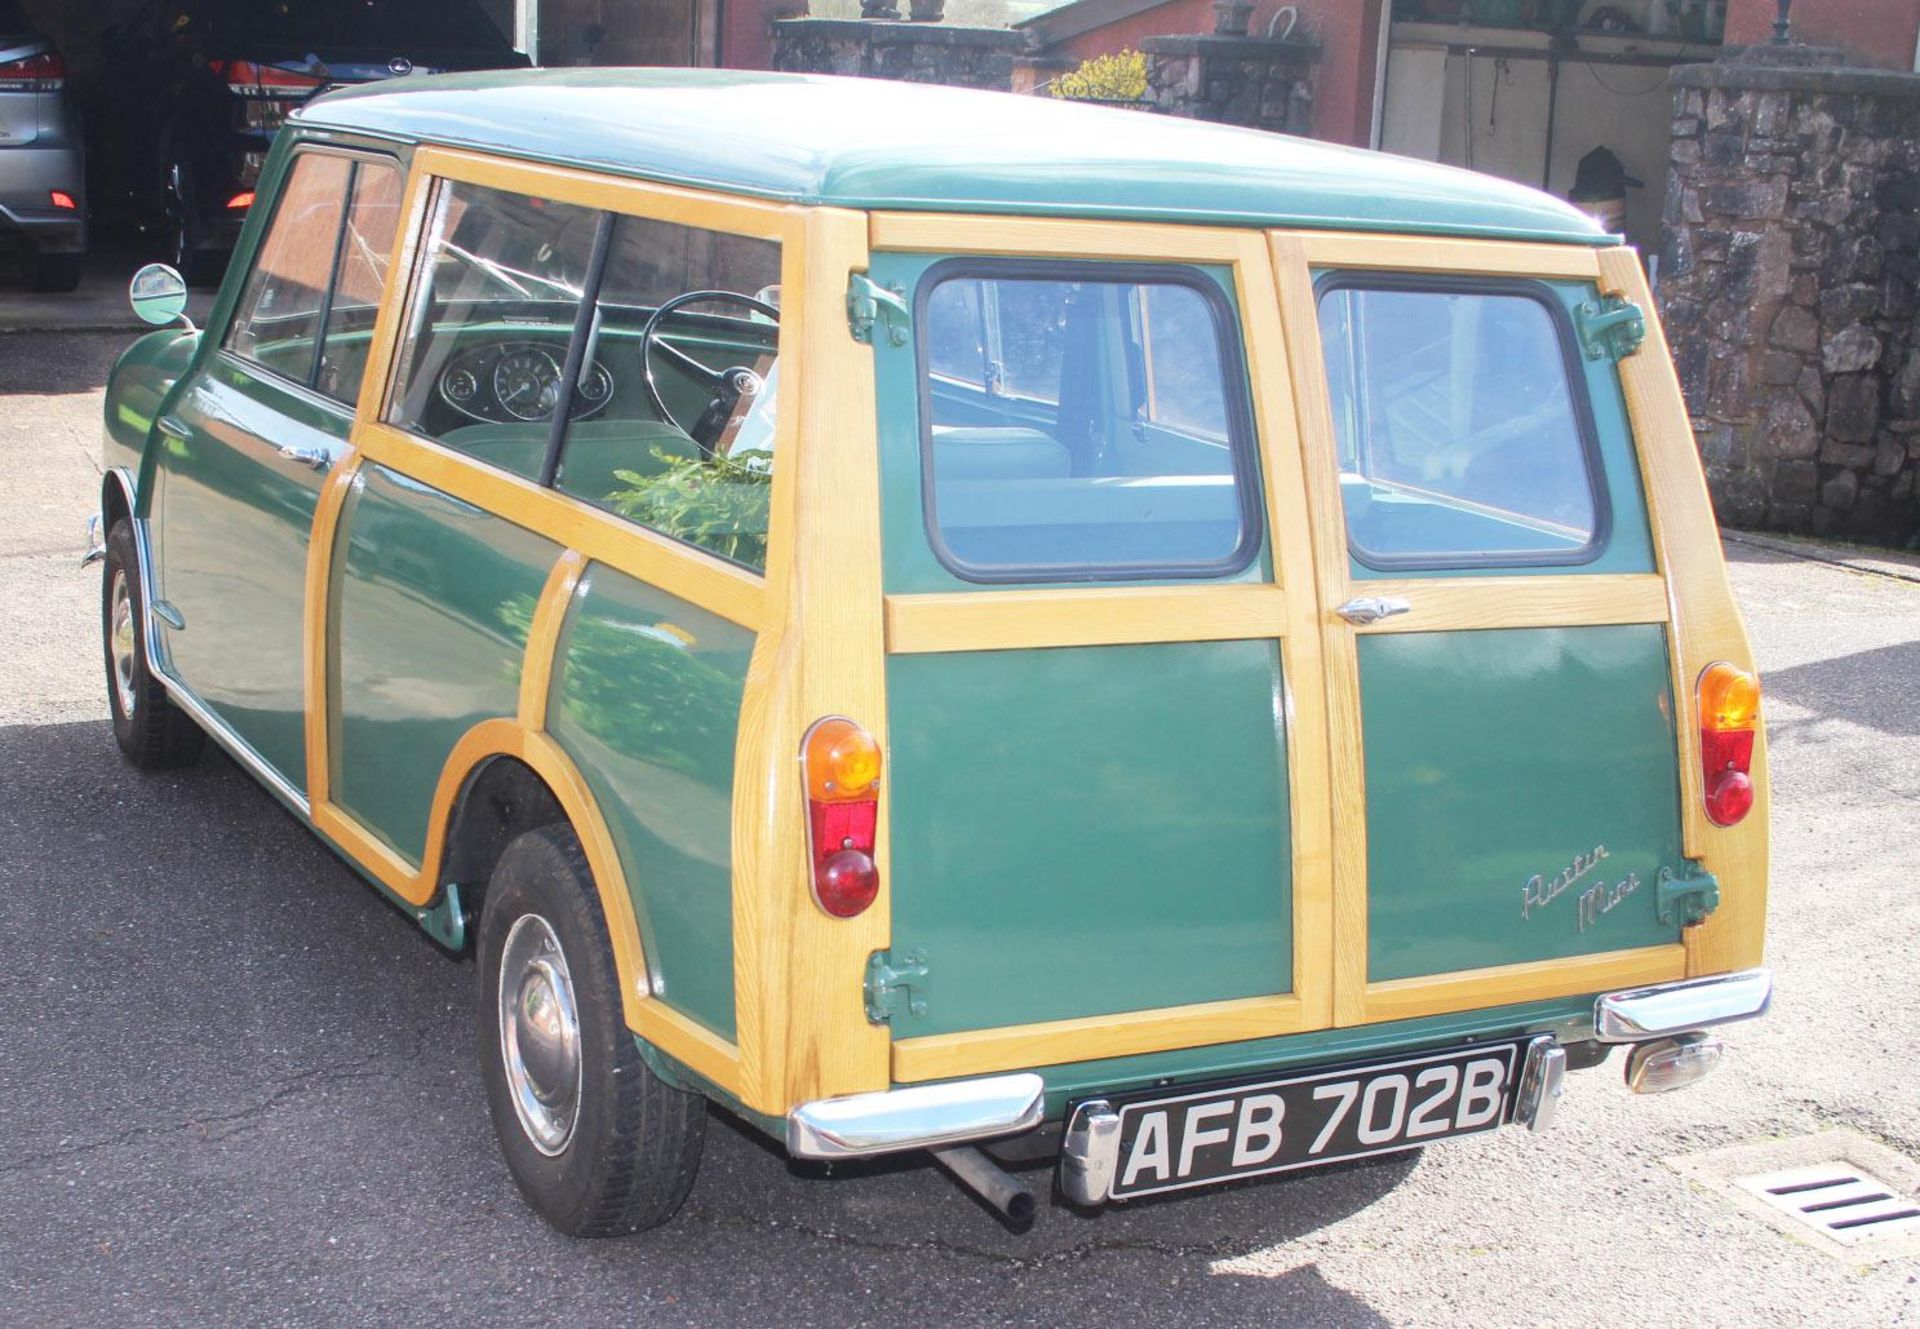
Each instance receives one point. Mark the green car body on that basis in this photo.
(1222, 733)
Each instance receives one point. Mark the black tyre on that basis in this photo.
(57, 273)
(597, 1142)
(152, 732)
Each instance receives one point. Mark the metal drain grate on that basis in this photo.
(1837, 1191)
(1848, 1204)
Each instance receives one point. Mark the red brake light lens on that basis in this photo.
(241, 201)
(45, 72)
(1729, 710)
(63, 200)
(248, 79)
(841, 763)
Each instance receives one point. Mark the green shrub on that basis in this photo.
(1120, 77)
(718, 503)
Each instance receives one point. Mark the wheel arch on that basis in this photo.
(116, 498)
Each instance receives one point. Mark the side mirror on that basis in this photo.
(158, 294)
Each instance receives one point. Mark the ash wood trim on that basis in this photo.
(1290, 527)
(1470, 603)
(1706, 627)
(798, 974)
(1058, 1042)
(1053, 237)
(1081, 616)
(543, 637)
(1424, 253)
(1511, 984)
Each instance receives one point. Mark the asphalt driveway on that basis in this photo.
(238, 1089)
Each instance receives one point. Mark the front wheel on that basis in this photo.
(597, 1142)
(152, 732)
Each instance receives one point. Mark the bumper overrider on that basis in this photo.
(1664, 1024)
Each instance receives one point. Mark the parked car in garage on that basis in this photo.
(925, 617)
(43, 200)
(196, 89)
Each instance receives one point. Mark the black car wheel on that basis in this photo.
(152, 732)
(597, 1142)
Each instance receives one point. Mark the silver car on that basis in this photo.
(43, 201)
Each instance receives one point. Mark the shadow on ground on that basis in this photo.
(241, 1088)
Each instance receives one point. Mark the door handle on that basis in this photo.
(174, 428)
(318, 458)
(1367, 609)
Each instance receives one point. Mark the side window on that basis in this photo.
(660, 338)
(1461, 425)
(673, 419)
(307, 309)
(1106, 434)
(277, 320)
(486, 337)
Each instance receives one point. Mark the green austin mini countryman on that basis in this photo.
(946, 621)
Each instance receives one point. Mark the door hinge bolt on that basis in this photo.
(1685, 897)
(869, 303)
(889, 983)
(1610, 328)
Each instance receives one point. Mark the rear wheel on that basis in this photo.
(54, 272)
(152, 732)
(597, 1142)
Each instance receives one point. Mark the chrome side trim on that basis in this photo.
(217, 729)
(1542, 1081)
(920, 1117)
(1090, 1153)
(1671, 1008)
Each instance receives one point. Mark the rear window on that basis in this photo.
(1463, 431)
(1084, 421)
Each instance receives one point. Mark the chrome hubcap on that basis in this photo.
(120, 641)
(540, 1034)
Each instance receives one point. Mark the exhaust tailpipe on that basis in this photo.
(988, 1180)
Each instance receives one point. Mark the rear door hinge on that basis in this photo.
(890, 985)
(1685, 897)
(1610, 328)
(869, 303)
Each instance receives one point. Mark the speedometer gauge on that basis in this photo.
(526, 382)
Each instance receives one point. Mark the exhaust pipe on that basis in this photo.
(986, 1179)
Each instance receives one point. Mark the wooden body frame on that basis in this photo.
(824, 627)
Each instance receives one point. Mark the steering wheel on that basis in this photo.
(728, 386)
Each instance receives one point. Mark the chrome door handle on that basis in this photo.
(1372, 608)
(318, 458)
(174, 428)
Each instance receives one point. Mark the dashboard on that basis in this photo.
(519, 380)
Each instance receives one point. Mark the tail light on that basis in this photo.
(1729, 710)
(241, 201)
(61, 199)
(842, 766)
(45, 72)
(267, 93)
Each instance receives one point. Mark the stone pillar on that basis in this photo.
(911, 52)
(1788, 286)
(1253, 81)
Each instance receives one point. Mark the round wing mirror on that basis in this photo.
(158, 294)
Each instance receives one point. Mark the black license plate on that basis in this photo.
(1215, 1135)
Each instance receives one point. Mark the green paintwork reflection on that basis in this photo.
(1085, 831)
(1495, 756)
(646, 702)
(140, 381)
(234, 519)
(910, 563)
(860, 143)
(434, 598)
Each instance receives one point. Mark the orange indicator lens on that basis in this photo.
(1729, 698)
(843, 762)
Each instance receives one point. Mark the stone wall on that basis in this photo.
(1788, 286)
(910, 52)
(1253, 81)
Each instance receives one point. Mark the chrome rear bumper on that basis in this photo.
(918, 1117)
(1640, 1014)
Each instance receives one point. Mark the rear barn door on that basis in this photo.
(1498, 630)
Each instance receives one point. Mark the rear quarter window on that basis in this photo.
(1083, 422)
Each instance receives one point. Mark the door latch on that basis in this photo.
(869, 303)
(1685, 897)
(1610, 328)
(889, 984)
(1372, 608)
